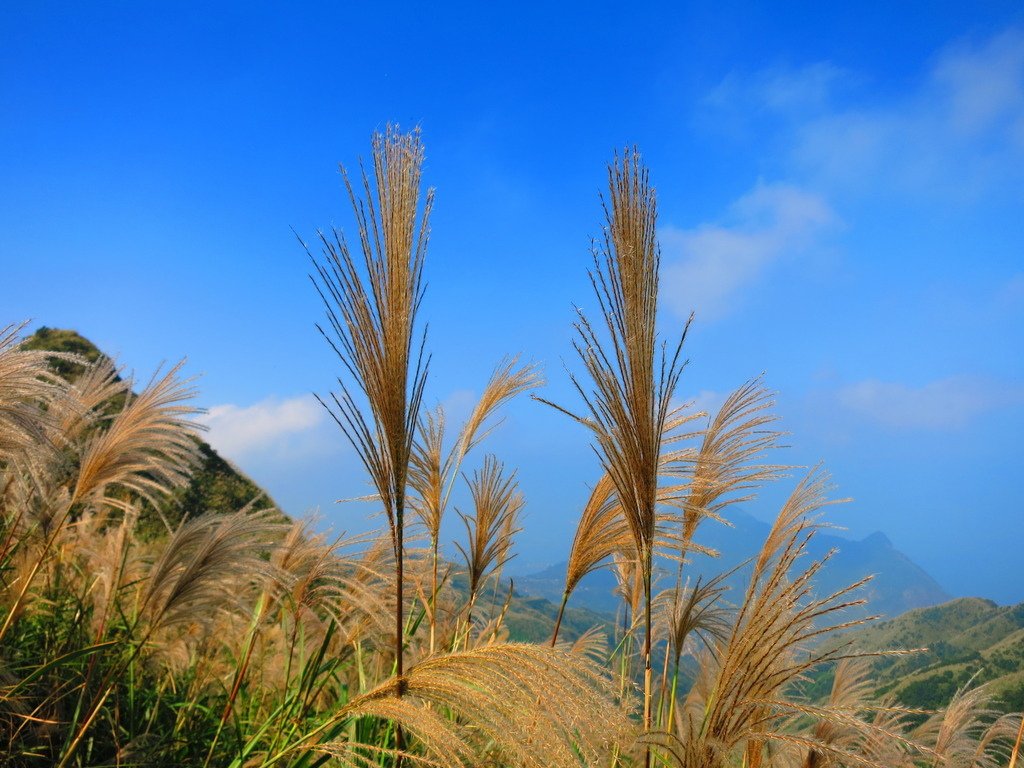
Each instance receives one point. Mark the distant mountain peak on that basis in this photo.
(898, 585)
(878, 539)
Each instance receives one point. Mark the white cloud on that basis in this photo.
(955, 133)
(781, 90)
(958, 133)
(983, 87)
(1012, 293)
(943, 404)
(706, 268)
(458, 405)
(238, 431)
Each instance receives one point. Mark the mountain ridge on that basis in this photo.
(898, 585)
(967, 639)
(216, 485)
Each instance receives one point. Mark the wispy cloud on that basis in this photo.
(954, 134)
(784, 91)
(1012, 293)
(983, 86)
(943, 404)
(959, 133)
(709, 401)
(239, 431)
(708, 267)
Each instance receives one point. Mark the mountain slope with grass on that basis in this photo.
(216, 484)
(968, 640)
(245, 640)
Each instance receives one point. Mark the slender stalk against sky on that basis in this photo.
(372, 316)
(632, 382)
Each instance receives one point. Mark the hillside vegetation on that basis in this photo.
(142, 624)
(965, 641)
(219, 487)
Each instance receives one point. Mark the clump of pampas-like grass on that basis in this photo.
(246, 640)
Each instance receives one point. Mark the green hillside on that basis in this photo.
(963, 639)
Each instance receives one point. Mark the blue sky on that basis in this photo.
(841, 196)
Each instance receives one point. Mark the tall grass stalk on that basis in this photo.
(632, 382)
(372, 316)
(433, 473)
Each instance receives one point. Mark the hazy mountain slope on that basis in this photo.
(532, 619)
(899, 584)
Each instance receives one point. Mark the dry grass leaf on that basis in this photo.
(320, 579)
(438, 741)
(628, 402)
(432, 472)
(497, 503)
(366, 614)
(90, 396)
(508, 380)
(601, 532)
(373, 318)
(682, 610)
(541, 707)
(628, 584)
(592, 644)
(968, 733)
(27, 387)
(209, 564)
(725, 469)
(147, 449)
(840, 725)
(428, 472)
(106, 555)
(372, 310)
(768, 647)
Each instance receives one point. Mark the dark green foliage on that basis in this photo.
(216, 486)
(161, 721)
(934, 691)
(67, 341)
(532, 620)
(1012, 698)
